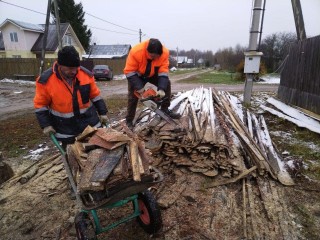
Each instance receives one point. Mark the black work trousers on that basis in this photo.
(133, 100)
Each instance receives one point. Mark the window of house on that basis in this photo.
(14, 37)
(67, 40)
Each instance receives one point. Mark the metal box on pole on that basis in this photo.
(252, 61)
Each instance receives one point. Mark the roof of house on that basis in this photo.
(1, 42)
(108, 51)
(181, 59)
(25, 26)
(52, 40)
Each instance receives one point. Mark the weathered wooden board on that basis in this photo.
(107, 163)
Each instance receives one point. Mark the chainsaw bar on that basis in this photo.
(154, 107)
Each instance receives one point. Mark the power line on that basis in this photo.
(112, 31)
(110, 22)
(85, 13)
(22, 7)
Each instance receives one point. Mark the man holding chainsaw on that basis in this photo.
(67, 98)
(148, 62)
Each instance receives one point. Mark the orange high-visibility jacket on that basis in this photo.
(54, 102)
(137, 61)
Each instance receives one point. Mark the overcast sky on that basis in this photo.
(183, 24)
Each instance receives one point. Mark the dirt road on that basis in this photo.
(16, 98)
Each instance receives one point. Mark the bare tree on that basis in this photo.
(275, 48)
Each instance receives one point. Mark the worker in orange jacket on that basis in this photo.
(148, 62)
(67, 98)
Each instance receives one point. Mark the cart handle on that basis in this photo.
(56, 143)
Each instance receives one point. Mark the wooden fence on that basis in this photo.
(300, 78)
(14, 68)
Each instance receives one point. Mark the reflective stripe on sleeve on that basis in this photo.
(132, 73)
(97, 98)
(41, 109)
(163, 74)
(64, 136)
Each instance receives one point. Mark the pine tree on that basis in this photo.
(72, 13)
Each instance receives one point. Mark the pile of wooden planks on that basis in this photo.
(201, 140)
(104, 157)
(212, 137)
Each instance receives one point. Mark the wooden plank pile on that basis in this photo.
(201, 140)
(105, 157)
(210, 138)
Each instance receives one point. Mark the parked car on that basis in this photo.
(102, 71)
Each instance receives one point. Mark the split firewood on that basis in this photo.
(133, 149)
(88, 131)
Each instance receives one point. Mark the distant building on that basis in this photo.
(217, 67)
(181, 59)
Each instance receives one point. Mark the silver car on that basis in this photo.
(102, 71)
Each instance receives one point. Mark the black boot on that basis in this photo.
(171, 114)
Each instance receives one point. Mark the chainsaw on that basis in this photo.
(150, 100)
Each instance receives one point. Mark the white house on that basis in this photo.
(25, 40)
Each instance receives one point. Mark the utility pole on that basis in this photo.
(177, 56)
(44, 43)
(298, 19)
(140, 34)
(57, 23)
(252, 56)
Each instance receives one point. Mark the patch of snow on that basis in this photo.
(21, 82)
(119, 77)
(268, 79)
(290, 164)
(36, 154)
(315, 127)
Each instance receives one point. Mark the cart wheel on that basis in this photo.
(150, 217)
(84, 227)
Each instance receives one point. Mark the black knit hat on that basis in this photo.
(154, 46)
(69, 57)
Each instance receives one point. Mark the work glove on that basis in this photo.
(161, 93)
(48, 130)
(104, 119)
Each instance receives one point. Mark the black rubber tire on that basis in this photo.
(150, 218)
(84, 227)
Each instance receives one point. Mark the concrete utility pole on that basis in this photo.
(252, 57)
(57, 23)
(298, 19)
(44, 43)
(140, 34)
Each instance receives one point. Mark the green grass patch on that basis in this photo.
(20, 134)
(302, 145)
(116, 103)
(183, 71)
(213, 77)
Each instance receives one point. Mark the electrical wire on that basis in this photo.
(22, 7)
(111, 31)
(282, 64)
(85, 13)
(110, 22)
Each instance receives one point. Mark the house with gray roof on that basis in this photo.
(118, 51)
(25, 40)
